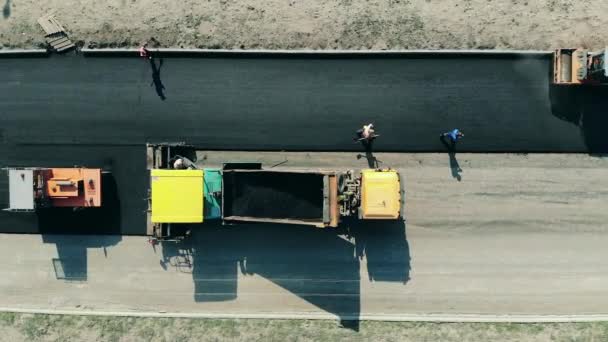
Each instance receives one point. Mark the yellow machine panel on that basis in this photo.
(177, 196)
(380, 194)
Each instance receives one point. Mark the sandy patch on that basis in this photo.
(314, 24)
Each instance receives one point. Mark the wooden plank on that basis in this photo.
(65, 47)
(62, 45)
(56, 35)
(50, 25)
(48, 29)
(57, 24)
(56, 40)
(43, 22)
(46, 25)
(60, 41)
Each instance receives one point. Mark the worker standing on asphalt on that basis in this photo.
(367, 133)
(144, 52)
(454, 136)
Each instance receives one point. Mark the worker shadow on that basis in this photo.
(454, 165)
(320, 266)
(584, 107)
(372, 161)
(156, 80)
(75, 231)
(6, 10)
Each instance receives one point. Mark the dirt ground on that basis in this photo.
(313, 24)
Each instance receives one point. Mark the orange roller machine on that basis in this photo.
(33, 188)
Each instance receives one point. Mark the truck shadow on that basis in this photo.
(122, 210)
(55, 223)
(384, 247)
(321, 266)
(584, 107)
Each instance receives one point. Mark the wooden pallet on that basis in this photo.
(55, 33)
(50, 25)
(59, 42)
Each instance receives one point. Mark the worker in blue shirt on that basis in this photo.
(454, 135)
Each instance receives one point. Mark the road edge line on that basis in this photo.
(7, 53)
(304, 52)
(438, 318)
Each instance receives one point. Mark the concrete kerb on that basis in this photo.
(321, 53)
(23, 53)
(291, 53)
(437, 318)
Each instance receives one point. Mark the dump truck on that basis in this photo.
(39, 187)
(246, 192)
(579, 67)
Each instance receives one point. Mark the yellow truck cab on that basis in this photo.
(381, 195)
(177, 196)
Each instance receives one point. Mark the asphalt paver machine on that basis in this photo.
(580, 66)
(40, 187)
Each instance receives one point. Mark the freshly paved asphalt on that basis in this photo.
(506, 235)
(502, 103)
(93, 111)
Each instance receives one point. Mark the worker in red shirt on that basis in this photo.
(367, 133)
(144, 52)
